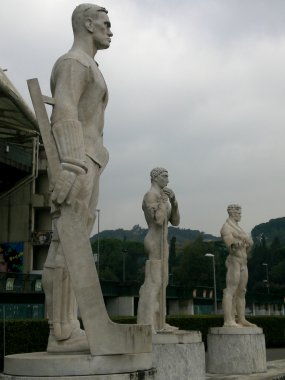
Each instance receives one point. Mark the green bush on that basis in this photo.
(23, 336)
(273, 327)
(32, 335)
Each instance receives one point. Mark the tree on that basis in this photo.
(120, 258)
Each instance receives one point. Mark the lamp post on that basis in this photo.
(124, 264)
(215, 287)
(267, 284)
(98, 242)
(267, 277)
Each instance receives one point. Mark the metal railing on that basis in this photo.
(20, 283)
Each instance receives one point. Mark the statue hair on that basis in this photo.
(156, 172)
(233, 207)
(83, 12)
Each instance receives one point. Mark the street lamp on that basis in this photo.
(267, 277)
(267, 285)
(215, 287)
(124, 264)
(98, 242)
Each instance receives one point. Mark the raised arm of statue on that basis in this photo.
(154, 208)
(174, 216)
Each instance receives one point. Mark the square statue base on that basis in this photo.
(233, 350)
(179, 355)
(42, 365)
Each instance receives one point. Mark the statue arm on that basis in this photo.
(69, 78)
(228, 237)
(175, 215)
(154, 208)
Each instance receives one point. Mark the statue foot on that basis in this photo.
(76, 343)
(245, 323)
(169, 328)
(231, 324)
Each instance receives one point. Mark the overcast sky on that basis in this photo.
(196, 86)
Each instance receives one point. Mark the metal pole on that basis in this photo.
(98, 243)
(267, 285)
(215, 286)
(4, 331)
(124, 265)
(267, 277)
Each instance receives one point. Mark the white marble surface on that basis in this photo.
(137, 375)
(58, 365)
(160, 207)
(239, 244)
(76, 158)
(236, 350)
(179, 361)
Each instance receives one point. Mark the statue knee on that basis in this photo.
(229, 292)
(241, 293)
(153, 272)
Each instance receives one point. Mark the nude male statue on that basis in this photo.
(159, 207)
(77, 121)
(239, 245)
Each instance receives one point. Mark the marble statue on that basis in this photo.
(159, 207)
(239, 244)
(76, 157)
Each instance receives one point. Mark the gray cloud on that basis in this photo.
(196, 87)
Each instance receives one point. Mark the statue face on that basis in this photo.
(101, 31)
(236, 215)
(162, 179)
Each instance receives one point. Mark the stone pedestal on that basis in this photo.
(234, 350)
(137, 375)
(179, 355)
(41, 365)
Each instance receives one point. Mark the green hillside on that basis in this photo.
(138, 234)
(270, 231)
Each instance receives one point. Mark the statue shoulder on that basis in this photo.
(150, 197)
(72, 57)
(226, 229)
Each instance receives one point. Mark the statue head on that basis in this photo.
(91, 19)
(234, 212)
(159, 176)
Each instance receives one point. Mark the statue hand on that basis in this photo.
(170, 194)
(66, 187)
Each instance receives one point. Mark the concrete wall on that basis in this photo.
(24, 211)
(15, 216)
(120, 305)
(180, 307)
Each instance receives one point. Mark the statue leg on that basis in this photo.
(240, 298)
(65, 333)
(232, 281)
(148, 308)
(104, 337)
(167, 326)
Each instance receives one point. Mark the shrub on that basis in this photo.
(32, 335)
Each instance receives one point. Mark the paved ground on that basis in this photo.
(275, 368)
(275, 354)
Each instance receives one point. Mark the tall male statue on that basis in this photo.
(159, 207)
(239, 245)
(76, 157)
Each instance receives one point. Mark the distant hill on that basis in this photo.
(138, 234)
(275, 228)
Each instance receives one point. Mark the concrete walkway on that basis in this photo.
(275, 368)
(275, 371)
